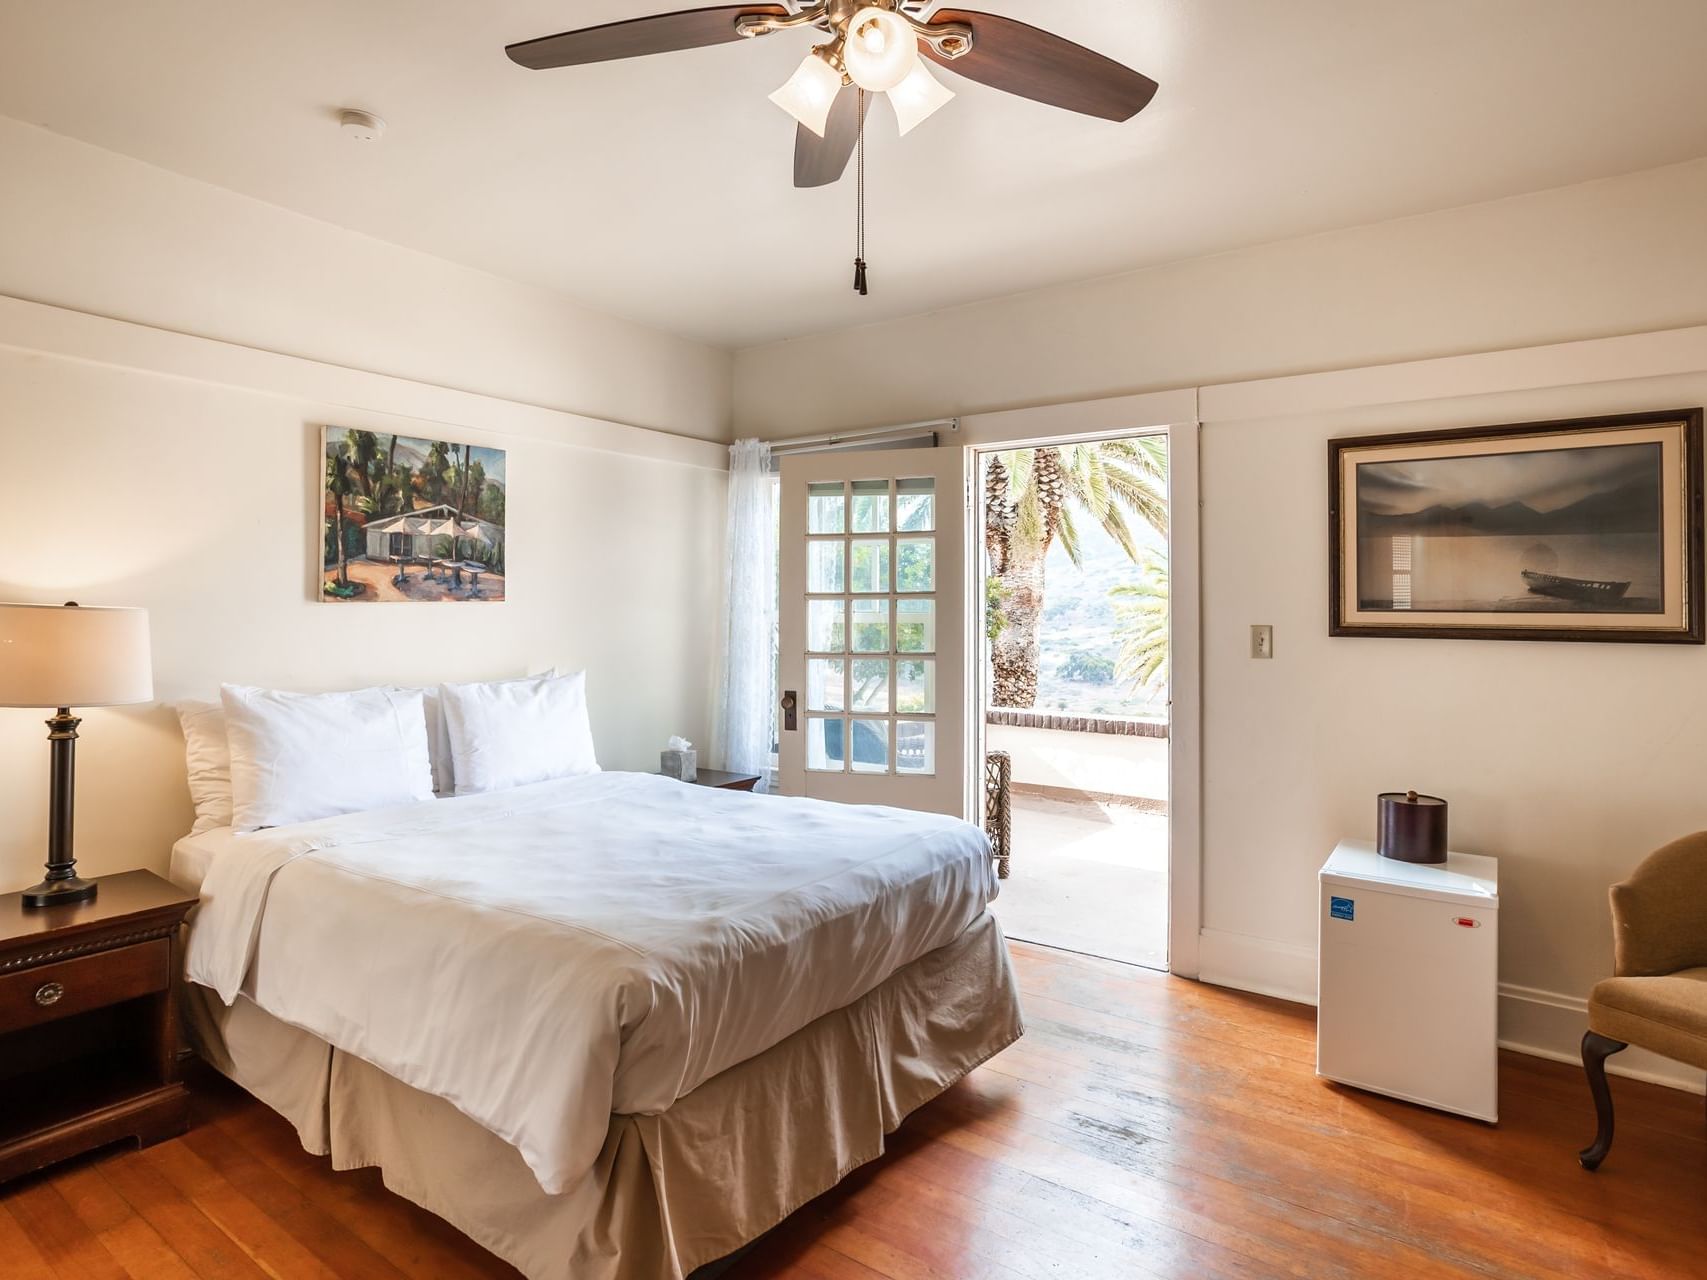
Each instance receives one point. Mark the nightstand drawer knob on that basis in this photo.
(49, 993)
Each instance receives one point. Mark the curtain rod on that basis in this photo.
(875, 433)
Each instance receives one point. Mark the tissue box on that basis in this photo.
(679, 764)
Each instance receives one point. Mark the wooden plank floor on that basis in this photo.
(1144, 1128)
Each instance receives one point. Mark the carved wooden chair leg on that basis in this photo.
(1596, 1050)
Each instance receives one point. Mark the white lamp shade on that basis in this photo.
(810, 92)
(918, 97)
(73, 656)
(880, 50)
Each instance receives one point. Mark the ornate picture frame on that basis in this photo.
(1583, 529)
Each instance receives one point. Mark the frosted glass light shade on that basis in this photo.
(918, 97)
(881, 49)
(73, 656)
(810, 92)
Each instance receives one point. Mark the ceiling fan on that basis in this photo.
(875, 46)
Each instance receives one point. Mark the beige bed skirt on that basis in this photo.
(670, 1192)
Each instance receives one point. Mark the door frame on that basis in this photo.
(1173, 415)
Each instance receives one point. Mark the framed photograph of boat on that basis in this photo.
(1584, 529)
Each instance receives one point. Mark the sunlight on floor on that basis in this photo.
(1089, 876)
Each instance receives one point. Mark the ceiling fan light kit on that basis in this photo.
(881, 49)
(917, 98)
(811, 91)
(875, 46)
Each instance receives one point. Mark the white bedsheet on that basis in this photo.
(546, 956)
(195, 853)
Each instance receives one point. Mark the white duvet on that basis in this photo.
(546, 956)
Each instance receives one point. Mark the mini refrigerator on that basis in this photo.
(1408, 978)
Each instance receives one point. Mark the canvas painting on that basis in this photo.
(411, 519)
(1588, 529)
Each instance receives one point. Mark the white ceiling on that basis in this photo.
(660, 188)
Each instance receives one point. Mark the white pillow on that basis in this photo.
(513, 732)
(207, 759)
(438, 735)
(438, 740)
(300, 756)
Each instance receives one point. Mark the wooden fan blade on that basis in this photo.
(1034, 64)
(820, 161)
(636, 37)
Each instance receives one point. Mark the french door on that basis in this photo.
(872, 628)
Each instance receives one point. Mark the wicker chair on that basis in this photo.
(998, 816)
(1658, 1000)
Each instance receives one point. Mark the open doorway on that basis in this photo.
(1074, 688)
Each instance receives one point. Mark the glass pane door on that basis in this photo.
(871, 621)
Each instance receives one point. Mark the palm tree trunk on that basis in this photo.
(391, 475)
(1015, 653)
(462, 489)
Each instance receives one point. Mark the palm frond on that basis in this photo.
(1096, 495)
(1018, 463)
(1114, 524)
(1152, 455)
(1148, 453)
(1140, 495)
(1069, 535)
(1120, 450)
(1141, 626)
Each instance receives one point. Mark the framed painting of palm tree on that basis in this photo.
(410, 519)
(1581, 529)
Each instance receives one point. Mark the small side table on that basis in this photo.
(725, 781)
(88, 1022)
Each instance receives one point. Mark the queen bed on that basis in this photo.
(608, 1025)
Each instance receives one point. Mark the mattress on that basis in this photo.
(544, 957)
(194, 854)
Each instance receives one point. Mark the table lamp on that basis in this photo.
(65, 656)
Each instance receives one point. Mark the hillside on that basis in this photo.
(1078, 618)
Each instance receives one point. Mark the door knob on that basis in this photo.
(789, 703)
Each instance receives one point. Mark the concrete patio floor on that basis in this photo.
(1088, 876)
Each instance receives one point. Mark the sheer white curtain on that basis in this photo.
(749, 583)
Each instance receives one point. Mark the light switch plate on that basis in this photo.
(1262, 641)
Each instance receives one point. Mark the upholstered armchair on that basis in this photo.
(1658, 1000)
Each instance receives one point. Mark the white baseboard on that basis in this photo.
(1546, 1024)
(1264, 966)
(1543, 1024)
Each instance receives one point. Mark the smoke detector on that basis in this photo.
(363, 126)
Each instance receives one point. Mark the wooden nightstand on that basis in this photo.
(725, 781)
(88, 1022)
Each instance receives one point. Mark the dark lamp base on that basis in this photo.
(50, 893)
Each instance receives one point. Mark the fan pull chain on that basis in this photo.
(859, 228)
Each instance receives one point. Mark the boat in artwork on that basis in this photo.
(1585, 590)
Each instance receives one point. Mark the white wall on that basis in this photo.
(200, 502)
(1619, 256)
(1569, 762)
(168, 353)
(94, 231)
